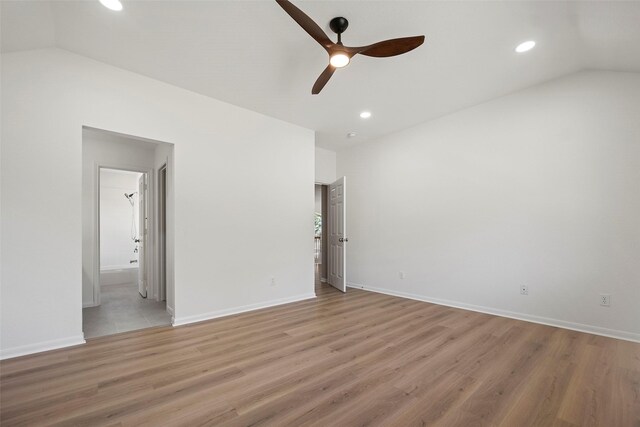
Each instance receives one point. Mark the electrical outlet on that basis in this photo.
(273, 281)
(605, 300)
(524, 289)
(403, 275)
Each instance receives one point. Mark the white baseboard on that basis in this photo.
(591, 329)
(8, 353)
(88, 304)
(236, 310)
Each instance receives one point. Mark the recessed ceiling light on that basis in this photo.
(526, 46)
(351, 134)
(339, 60)
(112, 4)
(365, 114)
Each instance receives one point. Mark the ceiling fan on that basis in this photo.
(339, 54)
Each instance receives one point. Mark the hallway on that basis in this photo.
(122, 309)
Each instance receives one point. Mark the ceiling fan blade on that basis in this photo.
(323, 79)
(391, 47)
(306, 23)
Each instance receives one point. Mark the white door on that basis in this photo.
(337, 234)
(142, 235)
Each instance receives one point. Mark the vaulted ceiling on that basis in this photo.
(252, 54)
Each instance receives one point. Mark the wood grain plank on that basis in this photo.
(358, 358)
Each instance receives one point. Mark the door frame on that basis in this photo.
(325, 225)
(149, 260)
(159, 291)
(325, 221)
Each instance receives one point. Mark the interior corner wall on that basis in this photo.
(325, 165)
(227, 161)
(537, 188)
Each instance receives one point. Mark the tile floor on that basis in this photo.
(123, 309)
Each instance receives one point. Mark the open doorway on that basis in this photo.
(124, 238)
(320, 235)
(122, 212)
(125, 234)
(330, 236)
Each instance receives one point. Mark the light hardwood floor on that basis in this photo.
(338, 360)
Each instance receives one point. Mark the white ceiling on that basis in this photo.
(252, 54)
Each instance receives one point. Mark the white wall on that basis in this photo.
(228, 161)
(537, 188)
(102, 148)
(118, 219)
(325, 165)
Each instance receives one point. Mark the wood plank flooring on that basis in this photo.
(338, 360)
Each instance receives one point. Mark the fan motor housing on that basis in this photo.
(339, 24)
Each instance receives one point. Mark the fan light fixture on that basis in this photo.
(526, 46)
(339, 54)
(339, 60)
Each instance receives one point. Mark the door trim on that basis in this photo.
(159, 292)
(325, 230)
(149, 260)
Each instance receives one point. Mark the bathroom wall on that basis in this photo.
(118, 219)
